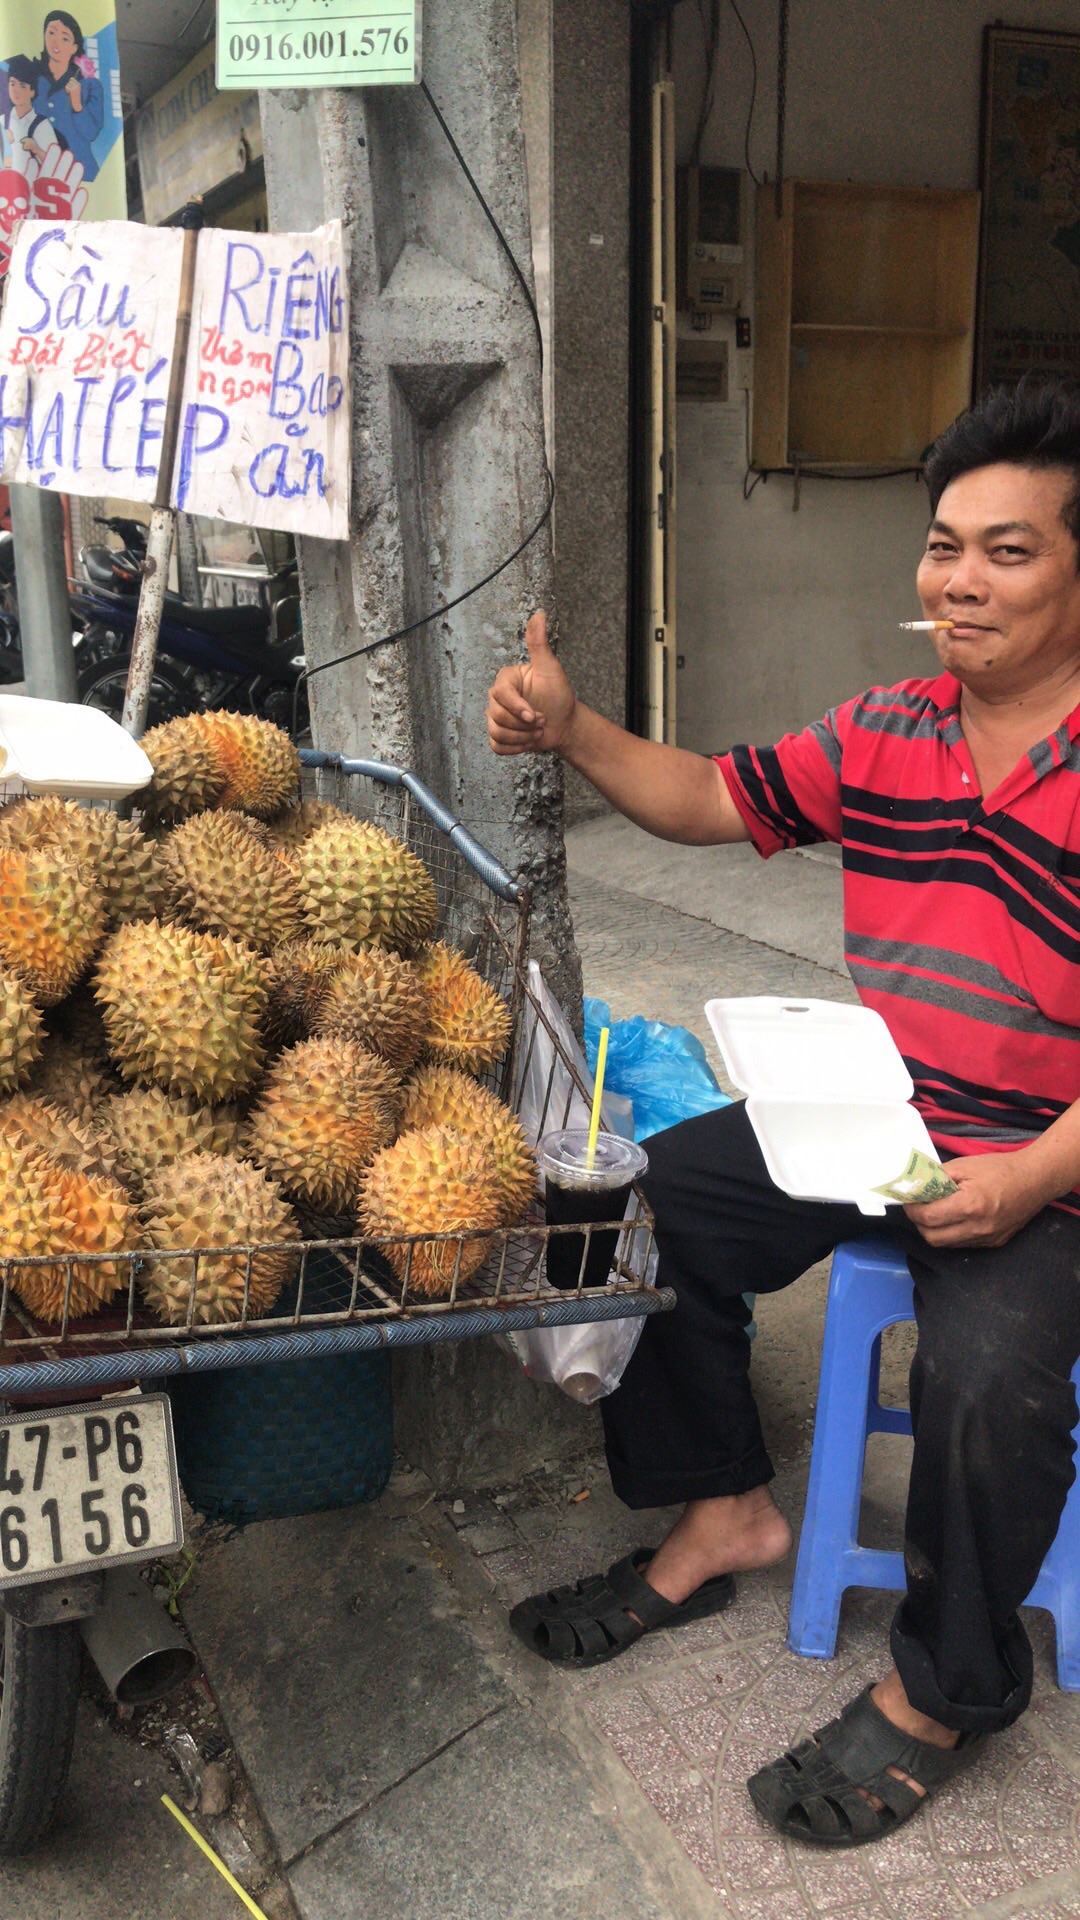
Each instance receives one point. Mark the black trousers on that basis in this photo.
(992, 1402)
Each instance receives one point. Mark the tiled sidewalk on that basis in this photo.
(691, 1714)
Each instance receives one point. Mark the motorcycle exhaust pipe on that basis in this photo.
(139, 1653)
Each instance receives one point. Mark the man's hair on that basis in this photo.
(1035, 424)
(21, 69)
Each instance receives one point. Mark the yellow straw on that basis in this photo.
(598, 1094)
(195, 1835)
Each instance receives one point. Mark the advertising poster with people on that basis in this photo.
(61, 121)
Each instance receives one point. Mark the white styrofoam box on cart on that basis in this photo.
(828, 1095)
(51, 746)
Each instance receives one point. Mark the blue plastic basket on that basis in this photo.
(292, 1437)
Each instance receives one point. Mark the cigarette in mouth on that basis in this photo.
(926, 626)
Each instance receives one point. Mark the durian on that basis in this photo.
(183, 1010)
(289, 829)
(188, 775)
(211, 1200)
(72, 1077)
(111, 852)
(260, 763)
(325, 1108)
(378, 999)
(221, 880)
(20, 1032)
(147, 1129)
(298, 975)
(432, 1180)
(49, 1211)
(52, 918)
(360, 887)
(468, 1023)
(442, 1097)
(58, 1136)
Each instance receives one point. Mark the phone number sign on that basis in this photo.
(318, 43)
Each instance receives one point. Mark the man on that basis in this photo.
(957, 802)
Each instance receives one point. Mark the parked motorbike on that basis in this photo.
(248, 659)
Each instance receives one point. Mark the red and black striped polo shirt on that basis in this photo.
(961, 915)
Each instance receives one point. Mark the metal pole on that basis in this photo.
(37, 523)
(162, 520)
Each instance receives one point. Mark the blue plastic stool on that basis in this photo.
(869, 1290)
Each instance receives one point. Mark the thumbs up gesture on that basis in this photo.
(531, 706)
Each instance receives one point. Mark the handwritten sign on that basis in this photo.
(264, 427)
(86, 345)
(318, 43)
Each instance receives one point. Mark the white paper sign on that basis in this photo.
(86, 345)
(264, 427)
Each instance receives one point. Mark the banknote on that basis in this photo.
(922, 1180)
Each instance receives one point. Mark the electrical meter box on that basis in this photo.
(714, 208)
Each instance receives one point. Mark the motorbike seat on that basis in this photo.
(101, 569)
(225, 623)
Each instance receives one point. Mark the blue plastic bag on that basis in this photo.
(662, 1069)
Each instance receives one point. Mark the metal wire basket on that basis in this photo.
(347, 1296)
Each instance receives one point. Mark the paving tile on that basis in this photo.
(928, 1900)
(1044, 1853)
(681, 1689)
(734, 1813)
(694, 1832)
(778, 1903)
(514, 1563)
(956, 1830)
(754, 1863)
(702, 1733)
(491, 1536)
(906, 1854)
(833, 1880)
(985, 1879)
(616, 1713)
(743, 1756)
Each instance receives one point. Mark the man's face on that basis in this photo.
(21, 95)
(1001, 564)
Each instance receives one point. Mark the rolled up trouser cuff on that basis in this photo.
(638, 1488)
(915, 1666)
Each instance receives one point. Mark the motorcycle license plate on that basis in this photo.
(83, 1487)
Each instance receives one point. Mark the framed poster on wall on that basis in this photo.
(1029, 267)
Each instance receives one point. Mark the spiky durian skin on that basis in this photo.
(59, 1136)
(443, 1097)
(260, 763)
(187, 773)
(298, 975)
(103, 1220)
(35, 1220)
(212, 1200)
(114, 853)
(21, 1032)
(360, 887)
(325, 1107)
(52, 918)
(147, 1128)
(183, 1010)
(468, 1023)
(72, 1077)
(222, 880)
(378, 999)
(289, 829)
(432, 1180)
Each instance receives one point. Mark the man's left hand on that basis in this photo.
(996, 1195)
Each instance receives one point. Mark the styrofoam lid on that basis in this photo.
(52, 746)
(809, 1050)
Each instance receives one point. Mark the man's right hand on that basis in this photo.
(531, 707)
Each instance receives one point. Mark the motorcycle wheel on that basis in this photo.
(104, 687)
(39, 1694)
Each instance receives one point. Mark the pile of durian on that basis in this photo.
(224, 1022)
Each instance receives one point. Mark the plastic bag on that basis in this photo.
(586, 1362)
(662, 1069)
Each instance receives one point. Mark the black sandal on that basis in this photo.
(583, 1625)
(811, 1792)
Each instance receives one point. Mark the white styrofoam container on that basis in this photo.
(828, 1095)
(51, 746)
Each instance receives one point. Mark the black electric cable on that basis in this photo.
(448, 606)
(753, 93)
(710, 27)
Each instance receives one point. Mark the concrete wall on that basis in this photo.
(781, 614)
(575, 70)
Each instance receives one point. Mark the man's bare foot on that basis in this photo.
(737, 1534)
(890, 1699)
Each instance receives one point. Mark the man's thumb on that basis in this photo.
(536, 637)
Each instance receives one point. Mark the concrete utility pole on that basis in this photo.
(37, 524)
(448, 437)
